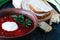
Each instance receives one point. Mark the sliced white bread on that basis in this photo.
(55, 18)
(38, 7)
(45, 26)
(44, 18)
(17, 3)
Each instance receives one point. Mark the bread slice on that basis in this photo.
(34, 9)
(55, 18)
(40, 14)
(38, 7)
(17, 3)
(44, 16)
(25, 5)
(45, 26)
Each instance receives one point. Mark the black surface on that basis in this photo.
(38, 34)
(54, 7)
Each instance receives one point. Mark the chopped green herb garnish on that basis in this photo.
(27, 22)
(21, 17)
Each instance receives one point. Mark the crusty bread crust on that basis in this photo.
(48, 17)
(44, 16)
(43, 25)
(36, 11)
(41, 18)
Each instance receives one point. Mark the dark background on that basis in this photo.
(37, 34)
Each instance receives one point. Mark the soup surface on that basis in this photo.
(21, 23)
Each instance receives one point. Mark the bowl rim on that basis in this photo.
(36, 20)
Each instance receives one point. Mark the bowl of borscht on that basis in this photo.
(16, 22)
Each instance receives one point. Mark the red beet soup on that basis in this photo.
(16, 22)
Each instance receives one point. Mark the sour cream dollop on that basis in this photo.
(9, 26)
